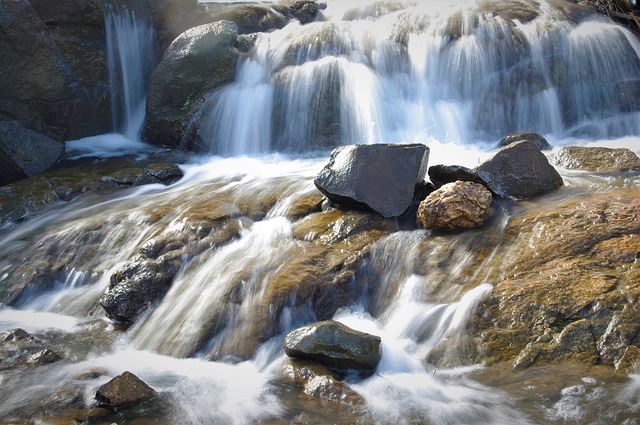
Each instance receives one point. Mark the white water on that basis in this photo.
(427, 72)
(130, 59)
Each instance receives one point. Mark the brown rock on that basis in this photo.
(458, 205)
(602, 160)
(124, 390)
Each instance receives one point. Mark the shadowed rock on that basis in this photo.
(535, 138)
(380, 177)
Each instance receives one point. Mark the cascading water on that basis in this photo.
(247, 238)
(130, 58)
(454, 73)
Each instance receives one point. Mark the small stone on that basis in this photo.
(124, 390)
(535, 138)
(458, 205)
(44, 357)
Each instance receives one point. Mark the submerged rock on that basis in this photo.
(598, 159)
(380, 177)
(124, 390)
(334, 345)
(318, 382)
(459, 205)
(520, 171)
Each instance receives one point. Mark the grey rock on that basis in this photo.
(334, 345)
(31, 151)
(124, 390)
(520, 171)
(381, 177)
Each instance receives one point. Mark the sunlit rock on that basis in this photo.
(458, 205)
(319, 382)
(380, 177)
(520, 170)
(334, 345)
(124, 390)
(597, 159)
(44, 357)
(575, 343)
(572, 263)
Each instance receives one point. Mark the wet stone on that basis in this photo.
(124, 390)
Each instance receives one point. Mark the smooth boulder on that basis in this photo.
(597, 159)
(196, 63)
(381, 177)
(520, 171)
(334, 345)
(458, 205)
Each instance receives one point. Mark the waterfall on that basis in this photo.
(130, 58)
(460, 73)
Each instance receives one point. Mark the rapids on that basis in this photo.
(456, 77)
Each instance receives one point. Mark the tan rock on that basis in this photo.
(597, 159)
(458, 205)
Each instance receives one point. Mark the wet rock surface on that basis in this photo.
(520, 170)
(380, 177)
(569, 288)
(334, 345)
(598, 159)
(124, 390)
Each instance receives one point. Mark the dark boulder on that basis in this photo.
(535, 138)
(54, 73)
(124, 390)
(443, 174)
(628, 95)
(196, 63)
(381, 177)
(9, 171)
(519, 171)
(31, 151)
(334, 345)
(597, 159)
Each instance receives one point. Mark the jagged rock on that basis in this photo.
(629, 362)
(520, 170)
(44, 357)
(568, 263)
(318, 382)
(597, 159)
(196, 63)
(31, 151)
(458, 205)
(575, 343)
(380, 177)
(535, 138)
(334, 345)
(124, 390)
